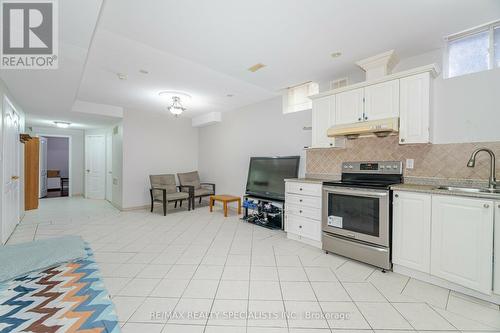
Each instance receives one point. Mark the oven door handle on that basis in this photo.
(356, 192)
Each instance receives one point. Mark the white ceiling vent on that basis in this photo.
(379, 65)
(339, 83)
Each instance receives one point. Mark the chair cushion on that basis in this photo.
(166, 181)
(190, 179)
(203, 192)
(158, 196)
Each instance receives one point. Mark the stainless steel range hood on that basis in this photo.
(382, 127)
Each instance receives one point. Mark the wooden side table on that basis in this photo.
(225, 199)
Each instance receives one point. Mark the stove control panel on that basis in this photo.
(379, 167)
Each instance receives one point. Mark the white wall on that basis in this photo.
(154, 143)
(77, 154)
(257, 130)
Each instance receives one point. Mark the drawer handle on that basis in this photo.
(300, 227)
(486, 206)
(396, 195)
(300, 189)
(300, 211)
(301, 201)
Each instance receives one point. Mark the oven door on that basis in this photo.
(358, 213)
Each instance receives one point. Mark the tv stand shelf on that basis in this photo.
(268, 213)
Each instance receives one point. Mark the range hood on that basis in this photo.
(382, 127)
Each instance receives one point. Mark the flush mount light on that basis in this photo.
(229, 95)
(143, 71)
(62, 124)
(122, 76)
(336, 54)
(256, 67)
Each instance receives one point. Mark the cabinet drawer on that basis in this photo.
(303, 200)
(303, 227)
(303, 211)
(304, 188)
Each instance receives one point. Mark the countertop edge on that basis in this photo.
(432, 189)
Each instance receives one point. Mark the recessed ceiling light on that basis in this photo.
(122, 76)
(256, 67)
(143, 71)
(336, 54)
(62, 124)
(229, 95)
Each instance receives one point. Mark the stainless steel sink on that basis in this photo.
(469, 189)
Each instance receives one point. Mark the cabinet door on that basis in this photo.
(411, 230)
(414, 109)
(349, 107)
(323, 116)
(462, 241)
(382, 100)
(496, 264)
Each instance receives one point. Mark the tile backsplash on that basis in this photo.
(445, 161)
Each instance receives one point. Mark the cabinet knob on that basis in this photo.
(331, 144)
(300, 227)
(300, 189)
(359, 119)
(396, 195)
(402, 140)
(300, 211)
(486, 206)
(366, 117)
(300, 200)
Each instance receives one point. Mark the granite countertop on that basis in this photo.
(433, 189)
(307, 180)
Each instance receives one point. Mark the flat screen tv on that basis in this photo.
(266, 176)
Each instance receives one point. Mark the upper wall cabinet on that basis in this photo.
(406, 95)
(323, 116)
(382, 100)
(415, 104)
(349, 107)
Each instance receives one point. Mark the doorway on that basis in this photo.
(55, 166)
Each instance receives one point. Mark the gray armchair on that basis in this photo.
(163, 189)
(200, 189)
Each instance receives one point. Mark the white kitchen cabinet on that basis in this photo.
(496, 263)
(349, 107)
(414, 111)
(411, 230)
(323, 117)
(462, 241)
(303, 212)
(382, 101)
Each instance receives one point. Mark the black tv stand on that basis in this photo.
(268, 213)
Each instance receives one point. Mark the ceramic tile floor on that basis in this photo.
(189, 264)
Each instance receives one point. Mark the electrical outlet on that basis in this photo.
(410, 162)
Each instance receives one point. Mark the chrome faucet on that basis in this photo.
(472, 163)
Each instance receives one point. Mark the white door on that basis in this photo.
(414, 109)
(411, 231)
(462, 241)
(323, 117)
(11, 171)
(496, 264)
(109, 166)
(382, 100)
(95, 166)
(349, 107)
(43, 167)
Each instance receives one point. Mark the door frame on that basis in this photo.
(7, 102)
(70, 157)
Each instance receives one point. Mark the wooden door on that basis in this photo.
(31, 173)
(95, 167)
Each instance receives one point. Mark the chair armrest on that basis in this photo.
(159, 189)
(212, 185)
(189, 188)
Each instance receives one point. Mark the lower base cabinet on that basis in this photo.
(462, 241)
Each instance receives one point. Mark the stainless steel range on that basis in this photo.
(357, 215)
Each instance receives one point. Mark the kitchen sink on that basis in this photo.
(469, 189)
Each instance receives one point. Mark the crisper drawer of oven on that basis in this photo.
(303, 211)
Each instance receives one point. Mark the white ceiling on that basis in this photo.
(205, 48)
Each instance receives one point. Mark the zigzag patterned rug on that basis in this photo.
(67, 298)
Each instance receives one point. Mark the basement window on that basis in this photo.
(474, 50)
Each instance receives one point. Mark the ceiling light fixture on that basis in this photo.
(229, 95)
(176, 108)
(336, 54)
(143, 71)
(62, 124)
(122, 76)
(177, 100)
